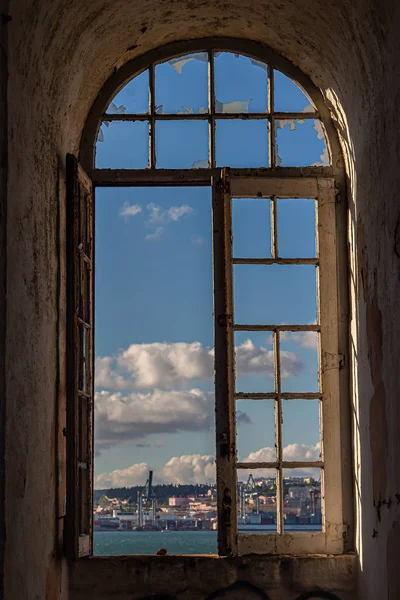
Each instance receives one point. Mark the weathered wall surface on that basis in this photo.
(205, 578)
(60, 54)
(3, 265)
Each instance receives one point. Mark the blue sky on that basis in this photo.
(154, 300)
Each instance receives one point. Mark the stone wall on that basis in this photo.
(205, 578)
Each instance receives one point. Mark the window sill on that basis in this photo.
(196, 577)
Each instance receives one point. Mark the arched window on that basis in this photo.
(235, 119)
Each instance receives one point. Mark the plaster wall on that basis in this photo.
(3, 266)
(60, 54)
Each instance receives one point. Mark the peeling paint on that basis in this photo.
(377, 412)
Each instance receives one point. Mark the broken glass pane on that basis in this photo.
(181, 144)
(123, 145)
(181, 85)
(241, 86)
(302, 499)
(268, 294)
(242, 143)
(256, 501)
(300, 143)
(254, 361)
(305, 440)
(299, 361)
(251, 227)
(296, 227)
(255, 430)
(133, 98)
(288, 96)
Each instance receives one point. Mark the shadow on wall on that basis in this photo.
(241, 590)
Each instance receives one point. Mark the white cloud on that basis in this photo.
(302, 452)
(177, 212)
(132, 417)
(134, 475)
(130, 210)
(198, 468)
(257, 359)
(309, 339)
(157, 214)
(291, 453)
(306, 339)
(191, 469)
(167, 365)
(159, 217)
(173, 365)
(106, 376)
(155, 235)
(198, 240)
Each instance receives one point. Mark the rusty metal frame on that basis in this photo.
(319, 181)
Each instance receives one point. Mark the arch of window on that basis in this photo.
(135, 103)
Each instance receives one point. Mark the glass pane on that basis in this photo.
(302, 500)
(254, 356)
(275, 294)
(133, 98)
(154, 401)
(255, 430)
(256, 501)
(241, 84)
(301, 347)
(181, 144)
(182, 85)
(289, 97)
(301, 430)
(123, 145)
(241, 143)
(296, 228)
(300, 142)
(251, 228)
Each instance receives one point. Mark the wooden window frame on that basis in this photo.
(324, 183)
(330, 540)
(80, 361)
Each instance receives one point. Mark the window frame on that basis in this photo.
(329, 183)
(330, 540)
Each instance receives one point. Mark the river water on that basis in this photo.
(175, 542)
(148, 542)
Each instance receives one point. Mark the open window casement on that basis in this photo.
(226, 187)
(326, 327)
(80, 368)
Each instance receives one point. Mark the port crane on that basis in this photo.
(146, 498)
(245, 490)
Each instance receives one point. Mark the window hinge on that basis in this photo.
(332, 361)
(223, 185)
